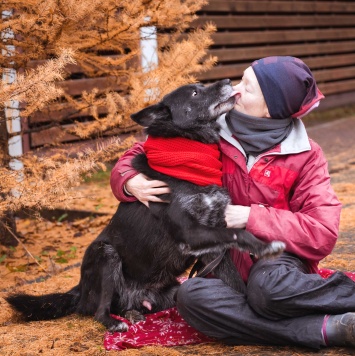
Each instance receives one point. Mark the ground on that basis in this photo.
(58, 242)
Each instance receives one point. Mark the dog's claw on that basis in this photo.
(134, 316)
(118, 327)
(275, 248)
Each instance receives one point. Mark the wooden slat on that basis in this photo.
(329, 61)
(223, 71)
(70, 68)
(76, 68)
(326, 75)
(244, 53)
(276, 36)
(272, 21)
(337, 99)
(50, 136)
(57, 112)
(337, 87)
(57, 135)
(76, 87)
(278, 6)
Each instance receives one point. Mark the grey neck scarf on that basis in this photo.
(257, 135)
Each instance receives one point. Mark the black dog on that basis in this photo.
(132, 266)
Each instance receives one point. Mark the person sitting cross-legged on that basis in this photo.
(279, 185)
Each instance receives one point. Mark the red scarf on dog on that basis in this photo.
(185, 159)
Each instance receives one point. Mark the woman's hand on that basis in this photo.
(146, 190)
(237, 216)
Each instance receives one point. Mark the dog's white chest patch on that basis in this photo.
(206, 208)
(209, 201)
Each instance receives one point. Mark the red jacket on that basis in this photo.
(288, 190)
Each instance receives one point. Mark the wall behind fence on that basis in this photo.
(322, 33)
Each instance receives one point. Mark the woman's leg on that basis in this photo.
(282, 288)
(219, 311)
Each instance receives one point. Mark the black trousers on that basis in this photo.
(284, 305)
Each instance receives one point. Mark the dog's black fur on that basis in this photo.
(133, 264)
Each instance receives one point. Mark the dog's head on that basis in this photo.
(189, 111)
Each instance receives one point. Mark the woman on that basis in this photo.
(280, 189)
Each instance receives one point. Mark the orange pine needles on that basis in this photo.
(97, 39)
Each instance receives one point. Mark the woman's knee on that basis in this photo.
(258, 295)
(270, 287)
(184, 295)
(265, 289)
(193, 294)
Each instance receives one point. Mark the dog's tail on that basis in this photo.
(45, 307)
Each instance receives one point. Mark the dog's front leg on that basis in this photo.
(188, 230)
(200, 237)
(226, 271)
(111, 282)
(247, 241)
(102, 314)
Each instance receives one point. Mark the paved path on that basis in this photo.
(337, 139)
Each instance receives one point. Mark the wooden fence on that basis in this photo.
(322, 33)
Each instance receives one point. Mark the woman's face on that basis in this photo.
(249, 97)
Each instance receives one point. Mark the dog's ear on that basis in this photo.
(151, 113)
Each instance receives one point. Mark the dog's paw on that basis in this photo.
(277, 247)
(273, 249)
(118, 327)
(134, 316)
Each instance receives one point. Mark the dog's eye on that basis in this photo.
(194, 93)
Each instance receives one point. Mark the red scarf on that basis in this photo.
(185, 159)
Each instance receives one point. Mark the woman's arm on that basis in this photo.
(129, 185)
(310, 229)
(123, 171)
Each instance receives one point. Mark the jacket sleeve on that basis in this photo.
(311, 227)
(123, 171)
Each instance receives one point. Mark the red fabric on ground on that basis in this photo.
(166, 328)
(325, 273)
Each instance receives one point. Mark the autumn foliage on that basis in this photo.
(102, 39)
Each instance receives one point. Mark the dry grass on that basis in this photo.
(82, 335)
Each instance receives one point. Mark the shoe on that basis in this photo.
(340, 330)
